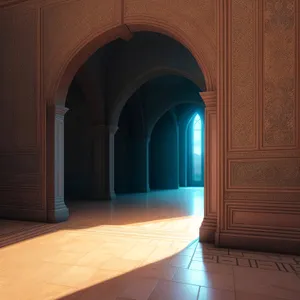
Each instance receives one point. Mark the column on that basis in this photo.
(56, 208)
(103, 162)
(178, 157)
(209, 224)
(182, 155)
(140, 183)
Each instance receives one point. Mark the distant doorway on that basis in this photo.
(195, 151)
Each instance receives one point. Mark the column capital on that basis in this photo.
(60, 110)
(209, 98)
(112, 129)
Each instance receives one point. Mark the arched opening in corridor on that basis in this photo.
(146, 157)
(164, 163)
(195, 149)
(197, 174)
(114, 105)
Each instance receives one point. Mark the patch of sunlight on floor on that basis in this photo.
(103, 246)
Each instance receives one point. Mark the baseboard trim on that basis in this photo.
(21, 214)
(58, 215)
(260, 243)
(207, 230)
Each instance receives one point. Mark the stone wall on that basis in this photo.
(248, 51)
(260, 187)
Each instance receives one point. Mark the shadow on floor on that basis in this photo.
(155, 281)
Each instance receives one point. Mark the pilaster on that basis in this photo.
(141, 165)
(57, 210)
(209, 224)
(103, 162)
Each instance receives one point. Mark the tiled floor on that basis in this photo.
(139, 247)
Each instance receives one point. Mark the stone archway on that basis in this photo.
(56, 209)
(153, 73)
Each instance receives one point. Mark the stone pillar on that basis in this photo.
(209, 224)
(182, 155)
(103, 162)
(56, 208)
(140, 182)
(178, 157)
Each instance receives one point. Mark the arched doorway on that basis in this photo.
(57, 210)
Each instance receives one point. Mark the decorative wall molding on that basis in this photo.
(282, 198)
(264, 219)
(261, 242)
(223, 79)
(263, 154)
(210, 99)
(8, 3)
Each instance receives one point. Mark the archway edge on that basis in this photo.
(196, 104)
(140, 80)
(86, 47)
(188, 115)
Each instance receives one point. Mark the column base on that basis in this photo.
(208, 229)
(58, 215)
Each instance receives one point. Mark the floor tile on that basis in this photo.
(167, 290)
(205, 279)
(267, 283)
(134, 248)
(181, 261)
(251, 296)
(214, 294)
(73, 276)
(119, 264)
(211, 267)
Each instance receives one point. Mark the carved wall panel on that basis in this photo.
(264, 218)
(68, 25)
(255, 174)
(242, 107)
(275, 219)
(279, 113)
(28, 198)
(18, 108)
(21, 181)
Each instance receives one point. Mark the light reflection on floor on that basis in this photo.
(101, 240)
(138, 247)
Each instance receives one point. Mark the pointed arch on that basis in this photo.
(197, 155)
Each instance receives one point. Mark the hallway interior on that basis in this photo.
(136, 247)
